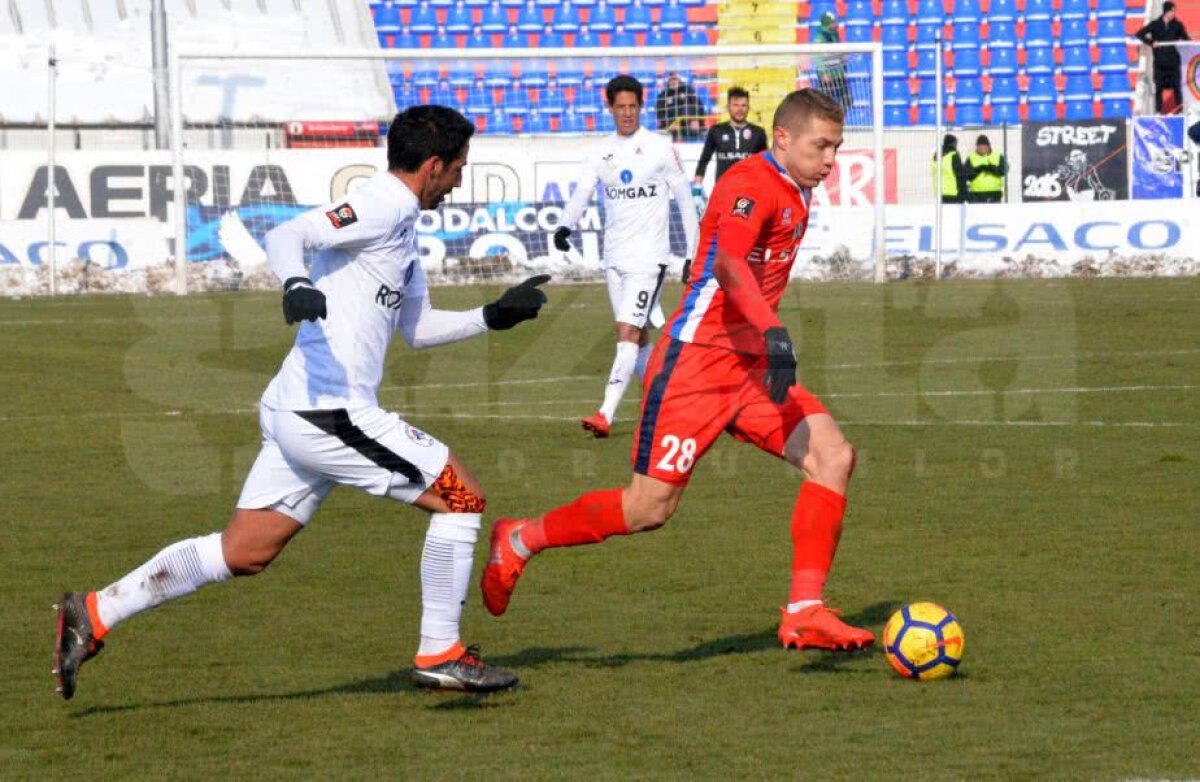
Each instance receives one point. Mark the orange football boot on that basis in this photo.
(819, 627)
(597, 424)
(504, 567)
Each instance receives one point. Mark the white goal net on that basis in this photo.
(260, 138)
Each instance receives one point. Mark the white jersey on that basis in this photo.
(638, 174)
(368, 270)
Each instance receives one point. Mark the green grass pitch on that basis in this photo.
(1029, 458)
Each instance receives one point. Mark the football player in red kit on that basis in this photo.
(725, 363)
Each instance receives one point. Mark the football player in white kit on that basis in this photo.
(638, 171)
(321, 422)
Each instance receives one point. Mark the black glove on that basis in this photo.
(521, 302)
(301, 301)
(561, 234)
(781, 364)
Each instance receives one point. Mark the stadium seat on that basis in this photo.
(587, 98)
(1079, 110)
(566, 19)
(927, 62)
(930, 12)
(516, 101)
(586, 39)
(1038, 11)
(895, 36)
(1113, 59)
(478, 39)
(927, 35)
(535, 73)
(464, 74)
(894, 13)
(602, 19)
(549, 39)
(443, 40)
(967, 11)
(552, 102)
(926, 102)
(858, 14)
(529, 20)
(495, 19)
(477, 3)
(966, 35)
(621, 38)
(1077, 60)
(968, 114)
(548, 3)
(1039, 33)
(1078, 87)
(1039, 60)
(673, 17)
(424, 20)
(406, 39)
(895, 90)
(570, 76)
(406, 96)
(895, 64)
(443, 94)
(694, 36)
(572, 122)
(656, 37)
(459, 20)
(387, 19)
(967, 63)
(1073, 32)
(1005, 90)
(498, 73)
(397, 3)
(514, 39)
(604, 123)
(1003, 62)
(1115, 107)
(1041, 112)
(1041, 93)
(1002, 35)
(692, 3)
(637, 18)
(620, 3)
(425, 77)
(1002, 11)
(1073, 9)
(896, 115)
(499, 122)
(1111, 9)
(1006, 113)
(535, 122)
(441, 3)
(968, 91)
(1111, 30)
(860, 33)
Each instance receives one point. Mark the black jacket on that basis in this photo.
(730, 145)
(1166, 58)
(674, 104)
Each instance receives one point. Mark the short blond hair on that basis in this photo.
(800, 106)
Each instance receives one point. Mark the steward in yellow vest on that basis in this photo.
(985, 173)
(949, 173)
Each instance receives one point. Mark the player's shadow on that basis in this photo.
(396, 682)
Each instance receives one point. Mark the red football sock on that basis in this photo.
(816, 527)
(590, 519)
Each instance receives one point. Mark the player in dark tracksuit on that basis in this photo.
(731, 141)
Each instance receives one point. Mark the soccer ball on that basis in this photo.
(923, 641)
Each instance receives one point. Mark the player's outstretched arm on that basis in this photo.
(424, 327)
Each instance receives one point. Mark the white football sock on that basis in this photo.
(800, 605)
(643, 358)
(445, 577)
(618, 378)
(179, 569)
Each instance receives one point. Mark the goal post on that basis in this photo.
(239, 118)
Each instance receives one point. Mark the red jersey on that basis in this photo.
(757, 213)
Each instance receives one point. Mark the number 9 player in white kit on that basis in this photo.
(638, 171)
(321, 422)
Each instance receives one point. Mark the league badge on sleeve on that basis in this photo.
(342, 216)
(742, 207)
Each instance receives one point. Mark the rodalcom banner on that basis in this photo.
(1158, 157)
(1074, 161)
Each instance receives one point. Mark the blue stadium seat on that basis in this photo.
(1113, 59)
(622, 38)
(497, 73)
(387, 19)
(895, 63)
(585, 3)
(529, 20)
(968, 114)
(548, 3)
(535, 73)
(1111, 30)
(1039, 33)
(1002, 11)
(443, 94)
(656, 37)
(620, 3)
(441, 3)
(692, 3)
(896, 115)
(930, 12)
(968, 91)
(654, 3)
(443, 40)
(1078, 87)
(406, 96)
(895, 12)
(859, 116)
(552, 102)
(566, 19)
(587, 98)
(535, 122)
(1114, 84)
(602, 19)
(1073, 9)
(858, 14)
(1002, 35)
(1038, 11)
(495, 19)
(570, 76)
(1005, 90)
(459, 20)
(694, 36)
(499, 122)
(637, 18)
(1111, 9)
(406, 39)
(405, 3)
(927, 35)
(967, 11)
(604, 123)
(1006, 113)
(927, 62)
(478, 39)
(967, 63)
(516, 101)
(1039, 60)
(966, 35)
(464, 75)
(425, 76)
(673, 17)
(549, 39)
(926, 102)
(424, 20)
(1073, 32)
(859, 33)
(1042, 111)
(895, 36)
(1041, 90)
(1077, 60)
(477, 3)
(514, 39)
(895, 90)
(1003, 62)
(512, 3)
(1115, 107)
(572, 122)
(1079, 110)
(586, 39)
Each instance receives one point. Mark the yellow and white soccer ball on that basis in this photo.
(923, 641)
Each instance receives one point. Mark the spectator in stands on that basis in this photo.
(680, 110)
(732, 141)
(986, 170)
(1167, 72)
(831, 70)
(949, 174)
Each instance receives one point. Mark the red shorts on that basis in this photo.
(695, 392)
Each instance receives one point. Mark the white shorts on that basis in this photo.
(306, 453)
(634, 297)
